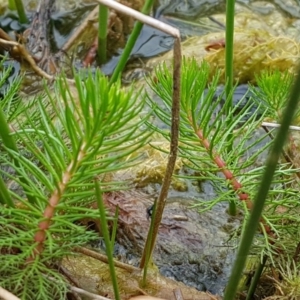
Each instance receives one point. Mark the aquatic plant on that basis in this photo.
(65, 139)
(203, 146)
(54, 159)
(221, 147)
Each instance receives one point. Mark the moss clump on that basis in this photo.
(255, 51)
(153, 168)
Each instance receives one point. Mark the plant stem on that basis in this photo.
(9, 142)
(130, 43)
(21, 11)
(43, 226)
(262, 193)
(12, 5)
(102, 33)
(114, 229)
(5, 197)
(232, 208)
(256, 277)
(234, 182)
(229, 51)
(161, 201)
(229, 76)
(108, 244)
(148, 250)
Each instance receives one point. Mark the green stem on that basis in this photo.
(21, 11)
(262, 193)
(102, 33)
(256, 277)
(229, 76)
(9, 142)
(114, 229)
(5, 197)
(232, 207)
(229, 52)
(108, 243)
(12, 5)
(130, 43)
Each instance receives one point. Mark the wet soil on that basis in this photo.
(191, 247)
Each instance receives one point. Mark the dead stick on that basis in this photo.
(87, 294)
(20, 50)
(6, 295)
(104, 259)
(161, 201)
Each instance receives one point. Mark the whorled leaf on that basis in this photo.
(66, 138)
(205, 130)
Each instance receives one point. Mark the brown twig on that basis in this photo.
(276, 125)
(161, 201)
(141, 17)
(104, 259)
(19, 52)
(80, 291)
(6, 37)
(87, 294)
(6, 295)
(177, 294)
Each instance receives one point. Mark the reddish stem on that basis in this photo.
(41, 235)
(237, 186)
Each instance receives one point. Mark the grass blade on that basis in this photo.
(108, 244)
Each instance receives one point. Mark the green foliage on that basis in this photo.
(290, 283)
(11, 4)
(236, 174)
(65, 139)
(202, 120)
(273, 91)
(7, 112)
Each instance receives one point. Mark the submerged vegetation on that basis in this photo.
(60, 149)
